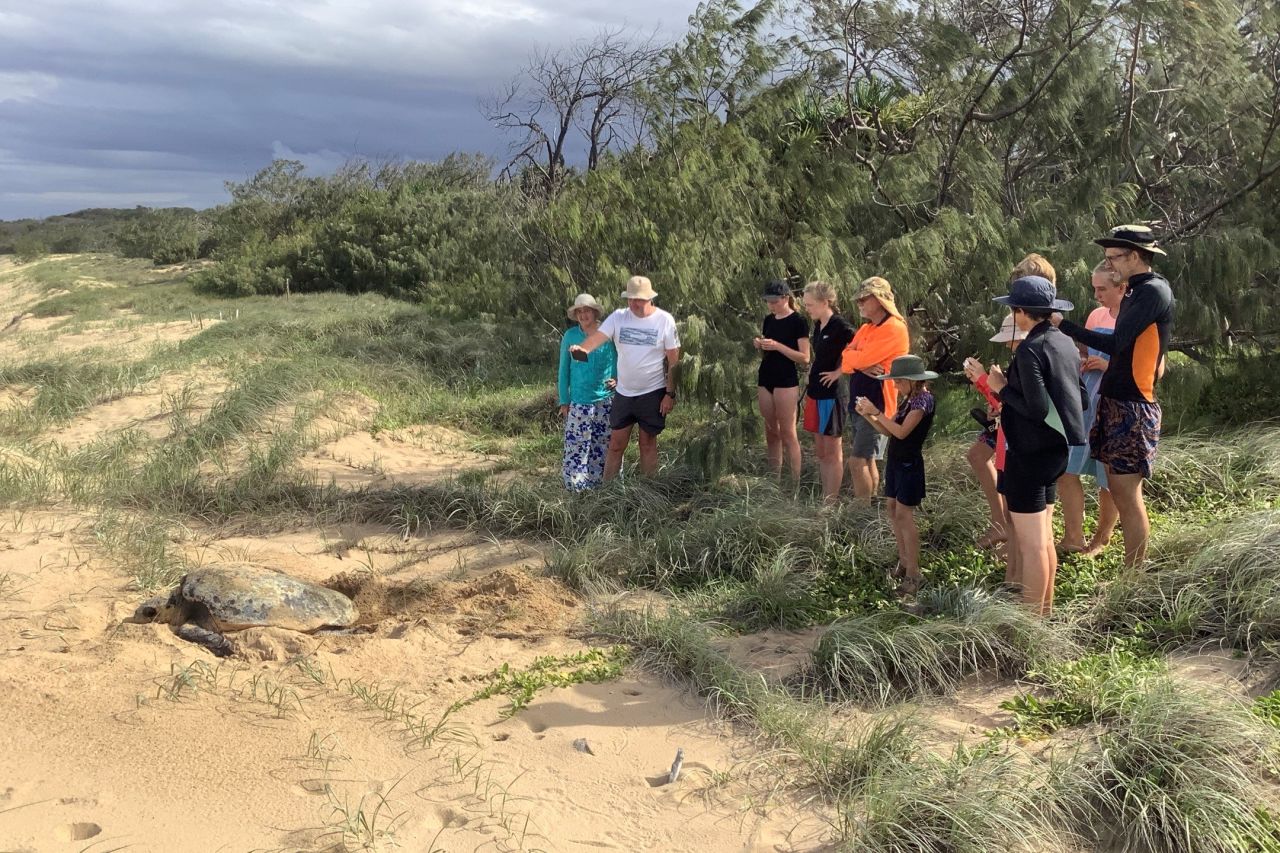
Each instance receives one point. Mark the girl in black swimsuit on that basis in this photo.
(784, 344)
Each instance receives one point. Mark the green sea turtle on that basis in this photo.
(212, 600)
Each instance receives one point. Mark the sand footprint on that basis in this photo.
(79, 831)
(451, 819)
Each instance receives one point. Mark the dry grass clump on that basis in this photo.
(894, 655)
(838, 761)
(1182, 772)
(1220, 581)
(988, 799)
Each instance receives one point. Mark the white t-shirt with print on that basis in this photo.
(642, 344)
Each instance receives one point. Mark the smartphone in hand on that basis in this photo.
(578, 354)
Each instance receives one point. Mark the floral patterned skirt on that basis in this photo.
(586, 438)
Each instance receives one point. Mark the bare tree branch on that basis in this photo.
(586, 87)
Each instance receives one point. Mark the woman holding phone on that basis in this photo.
(784, 345)
(586, 383)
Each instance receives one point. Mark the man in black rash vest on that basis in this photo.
(1126, 429)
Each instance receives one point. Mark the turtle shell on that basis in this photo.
(246, 596)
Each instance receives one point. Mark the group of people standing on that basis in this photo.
(1075, 400)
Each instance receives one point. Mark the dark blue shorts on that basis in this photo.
(904, 481)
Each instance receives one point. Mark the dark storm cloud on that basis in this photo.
(124, 102)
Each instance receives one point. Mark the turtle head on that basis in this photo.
(158, 609)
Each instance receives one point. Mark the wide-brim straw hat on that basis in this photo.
(882, 291)
(1131, 237)
(1034, 292)
(1009, 332)
(585, 300)
(910, 367)
(639, 287)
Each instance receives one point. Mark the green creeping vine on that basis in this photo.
(1090, 689)
(521, 685)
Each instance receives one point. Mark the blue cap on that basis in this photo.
(1034, 292)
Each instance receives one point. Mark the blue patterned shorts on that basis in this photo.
(1125, 434)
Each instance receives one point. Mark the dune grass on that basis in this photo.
(983, 799)
(1125, 746)
(1210, 581)
(893, 655)
(1178, 770)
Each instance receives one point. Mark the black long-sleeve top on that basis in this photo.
(1139, 343)
(1041, 407)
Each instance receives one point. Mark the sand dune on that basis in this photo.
(127, 729)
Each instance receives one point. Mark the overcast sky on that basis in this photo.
(116, 103)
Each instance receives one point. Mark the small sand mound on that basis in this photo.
(505, 602)
(148, 410)
(351, 411)
(326, 418)
(414, 455)
(777, 655)
(89, 281)
(124, 340)
(16, 397)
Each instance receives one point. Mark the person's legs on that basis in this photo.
(618, 441)
(1012, 554)
(864, 446)
(586, 439)
(1050, 559)
(1035, 543)
(599, 432)
(1071, 491)
(569, 467)
(861, 477)
(648, 453)
(1107, 518)
(981, 459)
(1124, 437)
(908, 539)
(891, 512)
(830, 464)
(773, 448)
(820, 456)
(784, 408)
(1126, 491)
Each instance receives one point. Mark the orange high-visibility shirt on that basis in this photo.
(878, 343)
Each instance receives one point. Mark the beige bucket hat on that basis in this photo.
(882, 291)
(585, 300)
(639, 287)
(1009, 331)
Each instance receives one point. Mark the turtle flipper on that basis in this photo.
(211, 640)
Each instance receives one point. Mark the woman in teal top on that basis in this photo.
(586, 396)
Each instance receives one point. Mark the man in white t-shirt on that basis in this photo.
(648, 351)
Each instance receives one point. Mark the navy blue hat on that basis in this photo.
(776, 290)
(1034, 292)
